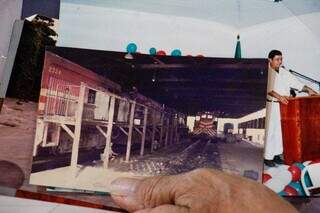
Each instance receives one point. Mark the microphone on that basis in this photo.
(282, 66)
(302, 76)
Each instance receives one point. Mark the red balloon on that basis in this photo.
(161, 52)
(189, 55)
(296, 173)
(200, 55)
(290, 191)
(265, 177)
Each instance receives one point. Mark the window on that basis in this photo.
(91, 96)
(197, 118)
(203, 116)
(210, 116)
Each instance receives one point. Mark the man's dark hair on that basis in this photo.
(273, 53)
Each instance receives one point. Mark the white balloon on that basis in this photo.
(272, 171)
(285, 177)
(275, 185)
(306, 163)
(283, 167)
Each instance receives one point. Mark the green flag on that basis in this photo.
(237, 54)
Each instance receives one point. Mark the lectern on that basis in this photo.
(300, 122)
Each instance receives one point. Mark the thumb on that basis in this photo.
(135, 194)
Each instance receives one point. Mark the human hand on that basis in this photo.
(313, 93)
(200, 191)
(284, 99)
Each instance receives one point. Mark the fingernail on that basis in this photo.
(123, 186)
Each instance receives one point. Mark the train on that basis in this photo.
(205, 125)
(58, 109)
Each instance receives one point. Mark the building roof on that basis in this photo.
(230, 87)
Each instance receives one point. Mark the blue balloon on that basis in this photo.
(153, 51)
(307, 179)
(176, 52)
(282, 193)
(298, 187)
(132, 48)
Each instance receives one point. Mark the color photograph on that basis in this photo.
(105, 114)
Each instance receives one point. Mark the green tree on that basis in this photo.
(25, 79)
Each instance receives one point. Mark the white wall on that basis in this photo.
(300, 45)
(109, 28)
(253, 116)
(112, 29)
(10, 10)
(257, 135)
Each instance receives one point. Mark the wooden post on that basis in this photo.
(176, 129)
(56, 135)
(171, 131)
(77, 129)
(68, 99)
(167, 132)
(45, 134)
(161, 128)
(107, 149)
(153, 129)
(133, 105)
(143, 138)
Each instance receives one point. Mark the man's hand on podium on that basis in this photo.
(280, 98)
(313, 93)
(309, 90)
(284, 99)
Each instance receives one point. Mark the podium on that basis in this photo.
(300, 122)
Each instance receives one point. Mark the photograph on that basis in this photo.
(289, 27)
(105, 114)
(160, 105)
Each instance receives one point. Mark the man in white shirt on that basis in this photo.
(280, 84)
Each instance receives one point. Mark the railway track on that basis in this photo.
(47, 160)
(52, 162)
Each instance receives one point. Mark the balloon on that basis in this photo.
(176, 52)
(161, 52)
(153, 51)
(307, 162)
(199, 55)
(290, 191)
(296, 172)
(298, 187)
(307, 179)
(131, 48)
(275, 185)
(283, 167)
(273, 171)
(282, 193)
(189, 55)
(300, 165)
(284, 176)
(265, 177)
